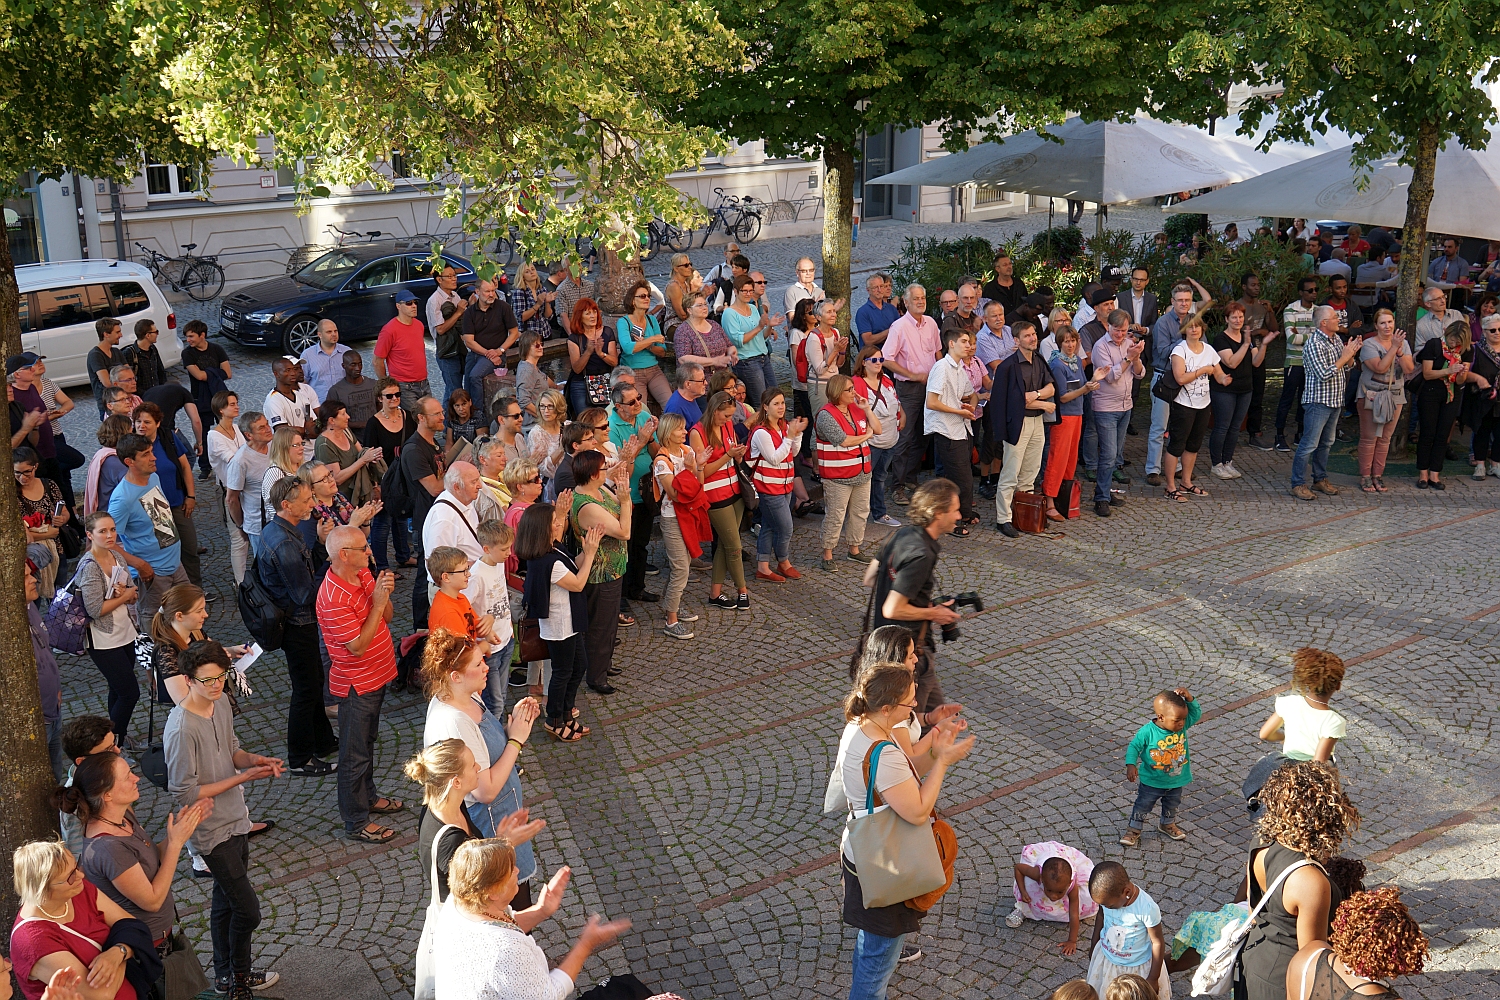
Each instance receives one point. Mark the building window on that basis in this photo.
(167, 180)
(398, 164)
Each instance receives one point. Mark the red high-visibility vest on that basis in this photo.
(773, 478)
(841, 462)
(723, 484)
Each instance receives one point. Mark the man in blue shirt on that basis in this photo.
(323, 362)
(692, 383)
(143, 518)
(873, 320)
(1450, 266)
(630, 426)
(175, 473)
(1165, 335)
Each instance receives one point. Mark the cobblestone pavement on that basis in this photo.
(693, 808)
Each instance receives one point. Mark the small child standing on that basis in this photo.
(1047, 882)
(488, 592)
(1161, 745)
(1127, 935)
(1304, 723)
(451, 610)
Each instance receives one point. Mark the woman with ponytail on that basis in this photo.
(177, 623)
(774, 444)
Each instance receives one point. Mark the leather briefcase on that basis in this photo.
(1029, 512)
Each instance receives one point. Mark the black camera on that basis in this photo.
(968, 599)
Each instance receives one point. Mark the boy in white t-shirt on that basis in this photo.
(1304, 723)
(489, 594)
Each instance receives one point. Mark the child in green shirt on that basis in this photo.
(1161, 746)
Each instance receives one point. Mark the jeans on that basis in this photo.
(1146, 797)
(954, 454)
(578, 397)
(55, 754)
(1229, 412)
(1109, 429)
(206, 418)
(498, 681)
(758, 376)
(880, 467)
(679, 561)
(1159, 413)
(569, 664)
(476, 367)
(236, 910)
(359, 724)
(906, 464)
(1320, 424)
(875, 959)
(118, 667)
(388, 526)
(775, 528)
(308, 732)
(1291, 392)
(452, 370)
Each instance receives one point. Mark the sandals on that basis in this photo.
(585, 730)
(1194, 490)
(379, 835)
(1367, 485)
(1175, 496)
(626, 621)
(566, 733)
(391, 806)
(960, 531)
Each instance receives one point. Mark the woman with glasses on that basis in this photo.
(43, 512)
(877, 394)
(105, 468)
(285, 454)
(844, 430)
(331, 509)
(642, 343)
(388, 430)
(592, 355)
(718, 449)
(749, 330)
(531, 382)
(64, 923)
(673, 457)
(1439, 395)
(544, 440)
(1483, 413)
(352, 464)
(109, 597)
(1073, 385)
(700, 340)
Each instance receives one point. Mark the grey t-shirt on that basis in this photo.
(530, 384)
(106, 858)
(200, 752)
(246, 472)
(360, 400)
(1372, 351)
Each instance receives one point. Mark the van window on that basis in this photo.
(68, 305)
(25, 312)
(128, 298)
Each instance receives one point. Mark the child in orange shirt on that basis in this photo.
(451, 610)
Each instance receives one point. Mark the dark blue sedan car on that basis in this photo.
(353, 286)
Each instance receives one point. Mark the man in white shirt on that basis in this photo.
(323, 362)
(447, 334)
(452, 519)
(242, 480)
(1335, 265)
(1431, 326)
(949, 405)
(805, 287)
(293, 402)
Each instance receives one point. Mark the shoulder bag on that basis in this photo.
(897, 861)
(1167, 387)
(426, 988)
(183, 971)
(67, 619)
(1213, 975)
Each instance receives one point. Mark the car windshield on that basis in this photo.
(329, 270)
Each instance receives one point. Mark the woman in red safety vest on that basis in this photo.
(773, 445)
(842, 444)
(718, 449)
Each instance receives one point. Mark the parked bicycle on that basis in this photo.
(739, 218)
(199, 276)
(309, 252)
(658, 235)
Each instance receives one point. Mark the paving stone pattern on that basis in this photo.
(693, 809)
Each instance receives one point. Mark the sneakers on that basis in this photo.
(742, 603)
(1173, 830)
(826, 565)
(726, 601)
(1014, 920)
(909, 953)
(255, 979)
(677, 630)
(1326, 488)
(1233, 472)
(887, 520)
(1495, 469)
(653, 570)
(1090, 475)
(517, 677)
(1120, 478)
(901, 496)
(1221, 471)
(1479, 473)
(1259, 443)
(1130, 838)
(1303, 493)
(1281, 445)
(686, 616)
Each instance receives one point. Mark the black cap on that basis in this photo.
(1101, 296)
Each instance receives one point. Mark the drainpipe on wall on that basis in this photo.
(115, 206)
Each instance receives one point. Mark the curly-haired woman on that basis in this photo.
(1307, 816)
(1374, 938)
(1307, 727)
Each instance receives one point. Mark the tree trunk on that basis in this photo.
(1414, 230)
(615, 275)
(838, 225)
(25, 768)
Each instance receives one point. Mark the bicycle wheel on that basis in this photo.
(204, 280)
(679, 239)
(747, 228)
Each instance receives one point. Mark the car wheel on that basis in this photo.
(301, 333)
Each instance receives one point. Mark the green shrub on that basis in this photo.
(938, 264)
(1060, 243)
(1180, 228)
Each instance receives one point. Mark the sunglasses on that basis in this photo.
(512, 416)
(390, 395)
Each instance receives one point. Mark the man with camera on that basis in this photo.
(902, 576)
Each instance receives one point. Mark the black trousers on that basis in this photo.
(308, 732)
(1255, 415)
(1437, 420)
(569, 664)
(1291, 394)
(236, 909)
(642, 517)
(954, 456)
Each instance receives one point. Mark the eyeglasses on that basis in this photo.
(356, 548)
(691, 380)
(75, 872)
(320, 482)
(390, 395)
(25, 473)
(213, 680)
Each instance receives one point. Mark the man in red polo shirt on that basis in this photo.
(401, 353)
(353, 608)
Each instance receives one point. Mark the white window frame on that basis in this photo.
(175, 175)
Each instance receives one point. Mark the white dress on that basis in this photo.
(488, 960)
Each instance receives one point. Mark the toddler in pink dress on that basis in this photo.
(1047, 882)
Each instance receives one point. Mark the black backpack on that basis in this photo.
(395, 490)
(263, 619)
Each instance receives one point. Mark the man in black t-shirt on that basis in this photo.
(145, 358)
(357, 393)
(104, 357)
(423, 465)
(904, 580)
(208, 373)
(1005, 288)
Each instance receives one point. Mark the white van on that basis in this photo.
(61, 300)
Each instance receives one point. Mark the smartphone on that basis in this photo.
(58, 510)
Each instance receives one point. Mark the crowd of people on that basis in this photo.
(521, 509)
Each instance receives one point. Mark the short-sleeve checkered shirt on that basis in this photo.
(1325, 379)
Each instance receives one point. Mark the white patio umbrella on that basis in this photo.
(1465, 200)
(1103, 162)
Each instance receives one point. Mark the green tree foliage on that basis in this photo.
(550, 112)
(1398, 75)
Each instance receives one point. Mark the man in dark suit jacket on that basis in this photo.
(1141, 303)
